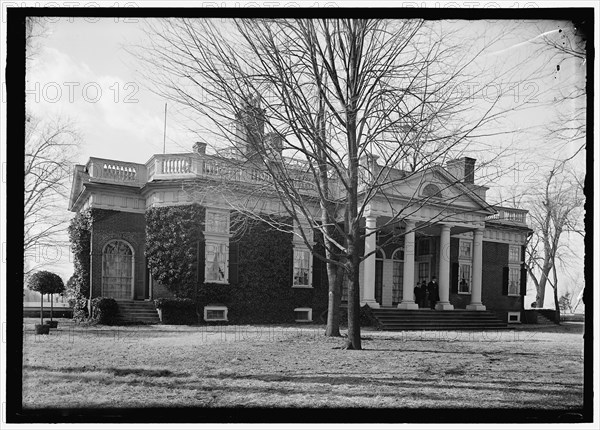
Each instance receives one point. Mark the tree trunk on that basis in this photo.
(51, 306)
(335, 277)
(541, 288)
(354, 341)
(42, 309)
(555, 290)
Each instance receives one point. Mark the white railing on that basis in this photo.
(115, 171)
(509, 214)
(174, 165)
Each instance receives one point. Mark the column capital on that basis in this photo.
(410, 223)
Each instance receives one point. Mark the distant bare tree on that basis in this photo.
(556, 210)
(49, 149)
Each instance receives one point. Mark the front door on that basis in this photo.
(117, 270)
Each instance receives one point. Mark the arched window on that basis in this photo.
(117, 270)
(431, 190)
(398, 274)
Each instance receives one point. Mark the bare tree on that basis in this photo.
(334, 96)
(556, 210)
(567, 49)
(49, 149)
(50, 146)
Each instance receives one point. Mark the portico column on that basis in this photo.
(444, 286)
(476, 304)
(369, 265)
(408, 301)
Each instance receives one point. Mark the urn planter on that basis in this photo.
(42, 329)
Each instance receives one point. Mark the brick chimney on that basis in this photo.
(273, 143)
(200, 148)
(462, 169)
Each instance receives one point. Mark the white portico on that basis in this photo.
(433, 205)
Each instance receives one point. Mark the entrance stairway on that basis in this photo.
(425, 319)
(137, 311)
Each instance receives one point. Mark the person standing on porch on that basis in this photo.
(419, 291)
(433, 290)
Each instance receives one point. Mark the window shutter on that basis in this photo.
(523, 281)
(201, 261)
(505, 281)
(317, 271)
(233, 262)
(454, 278)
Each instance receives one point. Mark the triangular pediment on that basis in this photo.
(434, 186)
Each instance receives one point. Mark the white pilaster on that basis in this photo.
(408, 301)
(369, 263)
(444, 275)
(476, 304)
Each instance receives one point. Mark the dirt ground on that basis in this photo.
(530, 367)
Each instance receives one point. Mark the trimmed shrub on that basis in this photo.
(45, 282)
(104, 310)
(177, 311)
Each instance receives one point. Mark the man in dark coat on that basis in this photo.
(433, 291)
(418, 294)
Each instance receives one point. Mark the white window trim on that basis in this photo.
(517, 267)
(517, 314)
(309, 310)
(519, 252)
(217, 238)
(310, 267)
(215, 308)
(469, 258)
(470, 264)
(212, 241)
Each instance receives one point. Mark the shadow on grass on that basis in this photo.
(155, 373)
(418, 387)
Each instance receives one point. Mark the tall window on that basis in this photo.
(465, 249)
(514, 270)
(465, 258)
(302, 264)
(117, 270)
(301, 268)
(216, 262)
(216, 250)
(514, 254)
(464, 278)
(398, 275)
(217, 222)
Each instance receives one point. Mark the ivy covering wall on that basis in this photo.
(172, 237)
(78, 287)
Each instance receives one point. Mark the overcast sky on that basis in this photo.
(83, 72)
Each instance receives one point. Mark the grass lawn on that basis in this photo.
(177, 366)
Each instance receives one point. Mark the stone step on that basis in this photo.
(427, 319)
(136, 311)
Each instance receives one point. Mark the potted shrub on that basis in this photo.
(45, 282)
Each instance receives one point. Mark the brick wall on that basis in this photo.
(129, 227)
(495, 258)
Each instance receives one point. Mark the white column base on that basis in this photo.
(408, 306)
(444, 306)
(372, 305)
(476, 307)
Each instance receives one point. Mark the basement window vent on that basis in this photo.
(215, 313)
(303, 314)
(514, 317)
